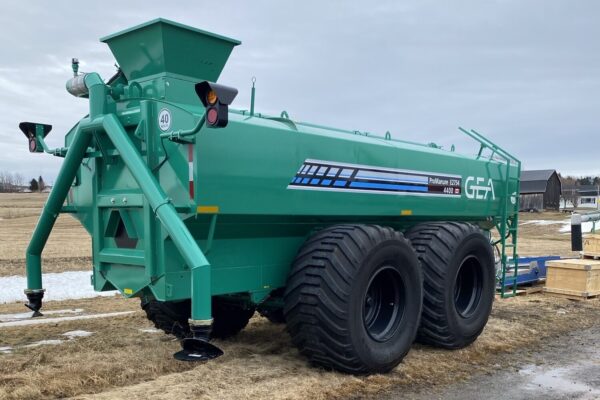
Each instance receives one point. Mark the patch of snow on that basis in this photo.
(41, 320)
(76, 334)
(52, 342)
(71, 335)
(59, 286)
(544, 222)
(150, 330)
(586, 227)
(26, 315)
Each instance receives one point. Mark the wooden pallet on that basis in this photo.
(571, 294)
(525, 291)
(590, 256)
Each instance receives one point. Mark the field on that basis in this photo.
(123, 357)
(69, 246)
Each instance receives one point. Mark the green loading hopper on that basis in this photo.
(161, 46)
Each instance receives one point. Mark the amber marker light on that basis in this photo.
(211, 97)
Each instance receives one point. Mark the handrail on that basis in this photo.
(485, 142)
(496, 147)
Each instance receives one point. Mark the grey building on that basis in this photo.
(540, 190)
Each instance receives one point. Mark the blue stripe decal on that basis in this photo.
(354, 178)
(423, 181)
(388, 186)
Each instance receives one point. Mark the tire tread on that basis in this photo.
(435, 244)
(318, 292)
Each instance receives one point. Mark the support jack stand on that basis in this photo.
(35, 302)
(195, 349)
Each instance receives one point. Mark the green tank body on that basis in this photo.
(178, 209)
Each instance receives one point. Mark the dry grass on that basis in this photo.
(119, 361)
(68, 248)
(116, 354)
(538, 240)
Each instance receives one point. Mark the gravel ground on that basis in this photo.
(567, 367)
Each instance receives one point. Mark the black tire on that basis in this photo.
(274, 316)
(329, 303)
(459, 282)
(229, 318)
(172, 317)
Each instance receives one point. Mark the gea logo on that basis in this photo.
(477, 188)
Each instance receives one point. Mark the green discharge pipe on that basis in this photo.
(167, 215)
(52, 208)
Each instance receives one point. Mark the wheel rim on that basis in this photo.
(384, 303)
(468, 286)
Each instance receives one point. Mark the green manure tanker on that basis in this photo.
(360, 244)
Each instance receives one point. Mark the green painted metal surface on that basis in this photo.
(209, 212)
(165, 47)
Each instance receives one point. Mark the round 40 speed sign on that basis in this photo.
(164, 120)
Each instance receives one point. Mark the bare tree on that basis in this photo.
(569, 192)
(6, 182)
(571, 196)
(18, 180)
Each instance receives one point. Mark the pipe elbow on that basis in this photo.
(80, 85)
(93, 79)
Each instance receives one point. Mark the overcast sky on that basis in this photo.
(525, 73)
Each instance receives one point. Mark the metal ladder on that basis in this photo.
(508, 224)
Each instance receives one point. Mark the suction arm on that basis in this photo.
(59, 192)
(68, 170)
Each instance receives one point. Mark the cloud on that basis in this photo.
(527, 74)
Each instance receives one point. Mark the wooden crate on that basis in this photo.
(573, 278)
(591, 246)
